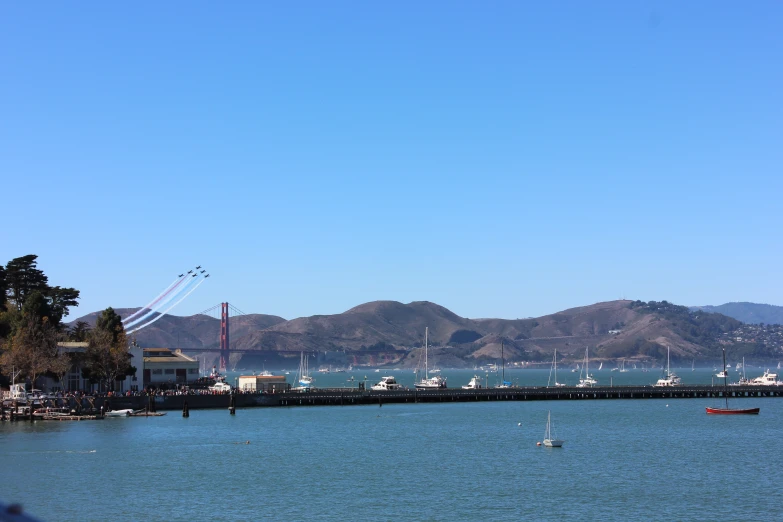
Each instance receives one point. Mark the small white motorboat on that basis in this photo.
(119, 413)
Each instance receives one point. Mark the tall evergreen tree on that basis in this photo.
(3, 287)
(23, 278)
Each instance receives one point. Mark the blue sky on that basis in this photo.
(501, 159)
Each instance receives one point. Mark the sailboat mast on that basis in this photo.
(426, 340)
(725, 382)
(555, 365)
(503, 363)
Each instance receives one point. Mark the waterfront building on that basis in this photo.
(164, 366)
(263, 383)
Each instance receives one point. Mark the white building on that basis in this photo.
(262, 383)
(163, 366)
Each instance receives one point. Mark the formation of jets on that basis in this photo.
(196, 274)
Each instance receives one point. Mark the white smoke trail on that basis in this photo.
(150, 305)
(161, 304)
(137, 328)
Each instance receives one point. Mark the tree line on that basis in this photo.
(31, 328)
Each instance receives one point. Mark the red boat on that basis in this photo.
(728, 411)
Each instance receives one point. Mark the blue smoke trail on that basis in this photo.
(137, 328)
(161, 304)
(149, 306)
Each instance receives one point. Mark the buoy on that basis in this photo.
(248, 442)
(538, 443)
(667, 405)
(519, 424)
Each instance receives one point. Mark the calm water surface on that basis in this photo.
(630, 459)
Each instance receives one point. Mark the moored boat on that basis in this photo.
(474, 384)
(429, 383)
(670, 379)
(549, 440)
(387, 383)
(727, 410)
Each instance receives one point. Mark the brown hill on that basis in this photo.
(393, 332)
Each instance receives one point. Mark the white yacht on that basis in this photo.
(388, 383)
(670, 379)
(474, 384)
(768, 379)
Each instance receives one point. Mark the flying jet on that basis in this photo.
(181, 275)
(190, 271)
(203, 271)
(199, 266)
(206, 276)
(194, 275)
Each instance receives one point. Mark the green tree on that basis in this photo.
(107, 358)
(60, 300)
(3, 287)
(23, 278)
(79, 331)
(33, 348)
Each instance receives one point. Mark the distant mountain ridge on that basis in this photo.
(751, 313)
(392, 333)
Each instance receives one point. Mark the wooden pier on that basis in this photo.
(346, 397)
(147, 405)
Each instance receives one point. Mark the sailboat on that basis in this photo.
(549, 441)
(503, 382)
(429, 383)
(670, 379)
(600, 366)
(622, 366)
(588, 380)
(554, 367)
(303, 379)
(727, 410)
(693, 365)
(743, 381)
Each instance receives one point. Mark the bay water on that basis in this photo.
(648, 459)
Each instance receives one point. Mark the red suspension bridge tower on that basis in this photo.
(225, 340)
(224, 347)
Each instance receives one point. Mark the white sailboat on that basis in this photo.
(622, 366)
(554, 368)
(549, 440)
(693, 365)
(429, 383)
(600, 366)
(670, 379)
(303, 379)
(588, 380)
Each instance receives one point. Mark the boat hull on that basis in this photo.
(549, 443)
(726, 411)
